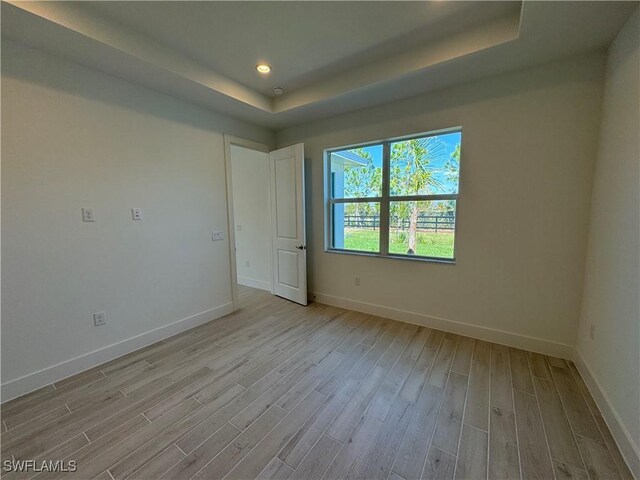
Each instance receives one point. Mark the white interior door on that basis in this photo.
(288, 223)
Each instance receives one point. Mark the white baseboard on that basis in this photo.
(250, 282)
(33, 381)
(533, 344)
(630, 451)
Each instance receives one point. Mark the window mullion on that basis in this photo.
(422, 198)
(328, 194)
(384, 203)
(356, 200)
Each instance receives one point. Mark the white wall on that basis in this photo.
(252, 214)
(529, 147)
(73, 137)
(612, 278)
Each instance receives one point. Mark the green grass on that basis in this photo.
(430, 244)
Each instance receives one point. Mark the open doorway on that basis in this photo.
(267, 230)
(250, 214)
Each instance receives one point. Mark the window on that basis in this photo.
(396, 197)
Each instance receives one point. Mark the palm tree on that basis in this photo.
(411, 175)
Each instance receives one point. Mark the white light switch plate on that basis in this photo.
(88, 215)
(136, 213)
(216, 236)
(99, 319)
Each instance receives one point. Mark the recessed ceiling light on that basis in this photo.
(263, 68)
(278, 90)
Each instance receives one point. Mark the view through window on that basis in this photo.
(396, 197)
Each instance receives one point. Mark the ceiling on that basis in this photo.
(304, 42)
(330, 57)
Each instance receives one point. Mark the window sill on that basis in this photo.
(445, 261)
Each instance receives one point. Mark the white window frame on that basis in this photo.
(386, 199)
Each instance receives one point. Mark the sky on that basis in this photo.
(450, 140)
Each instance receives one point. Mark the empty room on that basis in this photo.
(320, 240)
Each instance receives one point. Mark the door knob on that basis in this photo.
(301, 247)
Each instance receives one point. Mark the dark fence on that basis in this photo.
(429, 222)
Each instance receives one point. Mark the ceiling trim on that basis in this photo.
(535, 33)
(125, 41)
(488, 35)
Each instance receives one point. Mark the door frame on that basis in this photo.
(230, 140)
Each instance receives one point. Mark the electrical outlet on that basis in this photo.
(356, 281)
(247, 264)
(592, 331)
(136, 213)
(216, 236)
(88, 215)
(238, 228)
(99, 319)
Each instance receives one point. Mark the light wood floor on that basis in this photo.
(280, 391)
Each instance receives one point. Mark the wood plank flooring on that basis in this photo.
(278, 391)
